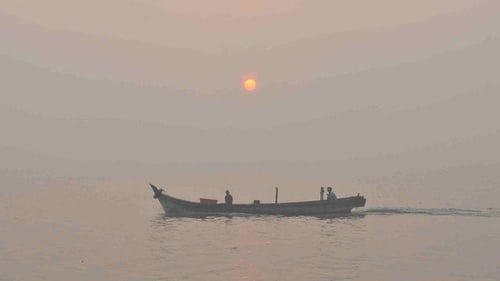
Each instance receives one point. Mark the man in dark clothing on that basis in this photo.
(229, 198)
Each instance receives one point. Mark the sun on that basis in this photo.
(250, 85)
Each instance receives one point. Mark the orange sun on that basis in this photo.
(250, 85)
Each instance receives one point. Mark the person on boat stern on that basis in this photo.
(228, 198)
(330, 195)
(321, 193)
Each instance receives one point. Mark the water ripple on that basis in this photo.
(488, 212)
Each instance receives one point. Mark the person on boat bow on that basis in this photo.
(330, 195)
(321, 193)
(228, 198)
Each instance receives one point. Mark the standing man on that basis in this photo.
(321, 193)
(228, 198)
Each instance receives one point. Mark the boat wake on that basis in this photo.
(489, 212)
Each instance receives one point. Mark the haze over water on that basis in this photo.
(397, 101)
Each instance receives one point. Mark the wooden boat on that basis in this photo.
(178, 207)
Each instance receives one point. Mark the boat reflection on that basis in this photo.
(233, 247)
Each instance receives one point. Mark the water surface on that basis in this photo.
(96, 233)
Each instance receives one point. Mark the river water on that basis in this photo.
(118, 232)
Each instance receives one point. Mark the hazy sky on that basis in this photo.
(414, 83)
(207, 47)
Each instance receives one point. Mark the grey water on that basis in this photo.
(118, 232)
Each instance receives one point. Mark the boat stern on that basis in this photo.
(359, 201)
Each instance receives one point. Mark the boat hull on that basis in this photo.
(178, 207)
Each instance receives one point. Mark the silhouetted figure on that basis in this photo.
(321, 193)
(228, 198)
(330, 195)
